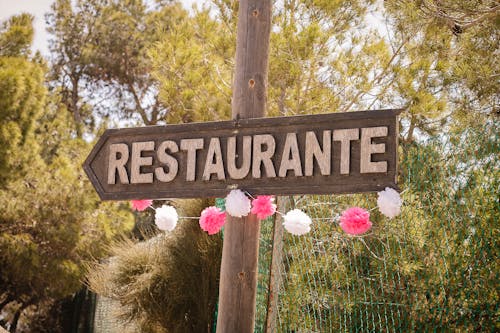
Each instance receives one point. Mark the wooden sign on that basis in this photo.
(313, 154)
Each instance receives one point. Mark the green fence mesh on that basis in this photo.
(434, 268)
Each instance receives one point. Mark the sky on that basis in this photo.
(38, 8)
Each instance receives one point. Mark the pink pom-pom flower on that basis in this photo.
(355, 221)
(263, 206)
(212, 219)
(141, 205)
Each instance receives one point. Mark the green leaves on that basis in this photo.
(191, 66)
(22, 98)
(16, 35)
(51, 220)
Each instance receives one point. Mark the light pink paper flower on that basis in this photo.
(141, 205)
(263, 206)
(297, 222)
(237, 203)
(389, 202)
(166, 218)
(355, 221)
(212, 219)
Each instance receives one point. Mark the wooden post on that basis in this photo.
(275, 276)
(238, 276)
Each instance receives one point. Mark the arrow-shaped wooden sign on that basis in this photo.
(329, 153)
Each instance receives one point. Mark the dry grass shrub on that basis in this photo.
(168, 283)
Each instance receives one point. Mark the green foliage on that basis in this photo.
(51, 220)
(22, 98)
(310, 69)
(430, 269)
(161, 64)
(101, 67)
(143, 62)
(192, 70)
(168, 283)
(16, 36)
(72, 29)
(451, 50)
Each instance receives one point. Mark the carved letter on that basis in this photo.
(263, 157)
(234, 172)
(345, 136)
(368, 148)
(117, 164)
(293, 163)
(313, 150)
(168, 160)
(136, 177)
(191, 145)
(216, 167)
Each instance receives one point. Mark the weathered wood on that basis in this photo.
(323, 156)
(168, 161)
(275, 276)
(191, 146)
(138, 161)
(368, 148)
(345, 136)
(290, 159)
(329, 153)
(263, 156)
(118, 157)
(246, 155)
(238, 276)
(316, 154)
(214, 164)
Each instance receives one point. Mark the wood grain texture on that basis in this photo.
(329, 147)
(345, 136)
(240, 253)
(321, 154)
(368, 148)
(275, 277)
(138, 161)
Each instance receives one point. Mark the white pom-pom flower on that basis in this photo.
(389, 202)
(237, 204)
(297, 222)
(166, 218)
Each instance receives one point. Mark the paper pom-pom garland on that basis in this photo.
(166, 218)
(140, 205)
(389, 202)
(212, 219)
(237, 204)
(355, 221)
(297, 222)
(263, 206)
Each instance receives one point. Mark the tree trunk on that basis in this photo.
(275, 277)
(5, 302)
(409, 136)
(238, 276)
(15, 320)
(74, 107)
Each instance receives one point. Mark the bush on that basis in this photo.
(168, 283)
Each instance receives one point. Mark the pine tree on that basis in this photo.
(51, 221)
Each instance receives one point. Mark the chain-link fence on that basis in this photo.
(433, 268)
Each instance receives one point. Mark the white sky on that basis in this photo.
(38, 8)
